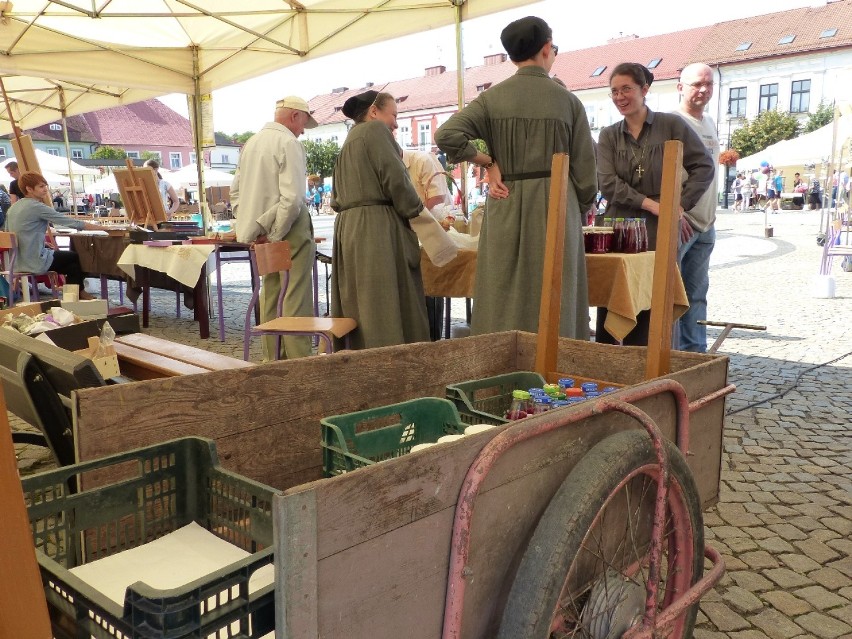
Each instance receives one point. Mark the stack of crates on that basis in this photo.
(95, 509)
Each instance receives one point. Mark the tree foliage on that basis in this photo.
(237, 138)
(822, 116)
(108, 153)
(320, 156)
(767, 128)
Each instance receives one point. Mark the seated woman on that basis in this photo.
(28, 219)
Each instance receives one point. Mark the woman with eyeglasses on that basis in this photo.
(375, 277)
(630, 167)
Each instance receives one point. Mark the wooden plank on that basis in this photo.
(296, 520)
(668, 231)
(551, 286)
(182, 352)
(138, 364)
(23, 610)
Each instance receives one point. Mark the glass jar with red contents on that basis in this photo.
(597, 239)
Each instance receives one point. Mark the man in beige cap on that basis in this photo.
(268, 201)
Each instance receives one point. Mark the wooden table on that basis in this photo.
(619, 282)
(186, 264)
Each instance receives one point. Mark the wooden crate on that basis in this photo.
(370, 549)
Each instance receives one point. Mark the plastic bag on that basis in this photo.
(105, 341)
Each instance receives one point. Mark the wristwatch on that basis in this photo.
(489, 165)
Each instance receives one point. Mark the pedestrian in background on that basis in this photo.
(268, 203)
(693, 255)
(524, 120)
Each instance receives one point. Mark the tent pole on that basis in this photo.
(460, 85)
(197, 138)
(15, 129)
(73, 206)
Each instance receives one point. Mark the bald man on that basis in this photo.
(698, 234)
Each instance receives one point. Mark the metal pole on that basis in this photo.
(459, 4)
(197, 138)
(73, 206)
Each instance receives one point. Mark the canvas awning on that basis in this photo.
(174, 46)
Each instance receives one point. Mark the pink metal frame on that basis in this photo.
(524, 430)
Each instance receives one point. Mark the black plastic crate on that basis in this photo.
(143, 495)
(485, 401)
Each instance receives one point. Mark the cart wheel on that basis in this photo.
(584, 572)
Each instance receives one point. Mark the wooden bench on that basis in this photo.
(145, 357)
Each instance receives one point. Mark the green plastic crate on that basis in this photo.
(359, 439)
(148, 493)
(485, 401)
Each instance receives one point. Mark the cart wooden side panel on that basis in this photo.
(381, 535)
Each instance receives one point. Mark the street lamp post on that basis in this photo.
(727, 169)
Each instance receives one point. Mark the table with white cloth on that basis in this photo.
(184, 263)
(620, 282)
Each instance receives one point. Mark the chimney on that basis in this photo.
(622, 38)
(495, 58)
(339, 90)
(438, 70)
(369, 85)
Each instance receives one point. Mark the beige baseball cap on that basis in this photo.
(297, 103)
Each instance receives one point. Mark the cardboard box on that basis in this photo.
(88, 309)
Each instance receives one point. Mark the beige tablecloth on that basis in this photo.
(181, 262)
(620, 282)
(623, 283)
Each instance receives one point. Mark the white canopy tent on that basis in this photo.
(187, 177)
(105, 185)
(811, 148)
(168, 46)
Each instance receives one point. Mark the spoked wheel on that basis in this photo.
(585, 571)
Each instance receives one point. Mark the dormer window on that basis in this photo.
(787, 39)
(828, 33)
(481, 87)
(598, 71)
(745, 46)
(653, 64)
(55, 127)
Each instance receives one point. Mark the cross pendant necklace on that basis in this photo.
(640, 170)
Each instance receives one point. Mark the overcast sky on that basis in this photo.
(248, 105)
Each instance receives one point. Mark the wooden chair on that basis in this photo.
(26, 282)
(274, 257)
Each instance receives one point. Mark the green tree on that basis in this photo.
(321, 156)
(822, 116)
(108, 153)
(767, 128)
(242, 138)
(150, 155)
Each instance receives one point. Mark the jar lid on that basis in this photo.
(595, 230)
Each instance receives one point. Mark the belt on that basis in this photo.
(532, 175)
(356, 205)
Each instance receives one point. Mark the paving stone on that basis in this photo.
(776, 625)
(742, 600)
(741, 544)
(799, 563)
(788, 532)
(786, 604)
(820, 598)
(844, 613)
(775, 545)
(817, 550)
(786, 578)
(748, 634)
(831, 579)
(823, 626)
(759, 559)
(752, 581)
(723, 618)
(843, 565)
(839, 524)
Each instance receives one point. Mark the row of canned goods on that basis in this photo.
(540, 400)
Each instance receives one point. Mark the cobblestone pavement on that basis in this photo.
(784, 520)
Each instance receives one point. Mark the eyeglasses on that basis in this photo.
(701, 85)
(555, 48)
(625, 91)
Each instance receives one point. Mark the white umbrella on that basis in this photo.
(58, 164)
(187, 177)
(105, 185)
